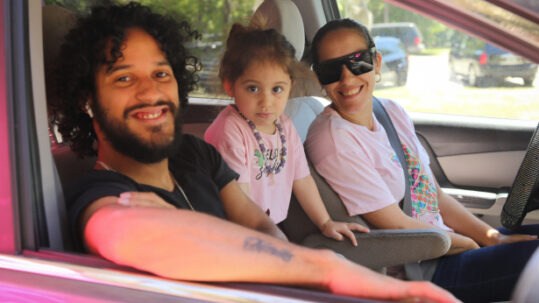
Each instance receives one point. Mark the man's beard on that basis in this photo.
(128, 143)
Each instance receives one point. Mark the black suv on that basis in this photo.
(407, 32)
(481, 63)
(394, 60)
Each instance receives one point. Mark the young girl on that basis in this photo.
(254, 136)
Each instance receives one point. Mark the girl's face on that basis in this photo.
(261, 93)
(352, 94)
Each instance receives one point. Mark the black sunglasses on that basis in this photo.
(358, 63)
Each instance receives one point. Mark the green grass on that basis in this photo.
(433, 52)
(505, 102)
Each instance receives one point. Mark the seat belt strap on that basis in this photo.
(413, 270)
(384, 119)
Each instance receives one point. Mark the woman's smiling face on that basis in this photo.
(352, 94)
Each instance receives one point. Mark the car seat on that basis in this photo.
(377, 249)
(56, 21)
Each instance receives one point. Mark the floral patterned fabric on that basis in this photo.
(424, 196)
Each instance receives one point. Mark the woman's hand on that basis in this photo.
(338, 230)
(497, 238)
(460, 243)
(144, 199)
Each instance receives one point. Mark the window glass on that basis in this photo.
(211, 18)
(446, 71)
(506, 19)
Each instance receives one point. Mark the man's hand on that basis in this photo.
(338, 230)
(352, 280)
(144, 199)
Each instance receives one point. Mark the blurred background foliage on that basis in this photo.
(435, 34)
(210, 17)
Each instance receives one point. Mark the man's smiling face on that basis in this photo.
(136, 100)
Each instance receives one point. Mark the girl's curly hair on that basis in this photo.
(84, 51)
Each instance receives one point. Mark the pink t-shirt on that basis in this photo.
(234, 139)
(362, 167)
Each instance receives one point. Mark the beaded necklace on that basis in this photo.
(268, 168)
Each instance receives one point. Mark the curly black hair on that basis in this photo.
(84, 51)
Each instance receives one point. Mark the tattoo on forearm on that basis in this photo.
(258, 245)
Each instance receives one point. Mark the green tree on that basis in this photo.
(435, 34)
(212, 18)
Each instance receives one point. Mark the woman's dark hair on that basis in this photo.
(336, 25)
(247, 44)
(85, 50)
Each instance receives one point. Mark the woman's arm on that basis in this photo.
(309, 198)
(187, 245)
(392, 217)
(461, 220)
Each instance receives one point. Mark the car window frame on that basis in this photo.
(9, 241)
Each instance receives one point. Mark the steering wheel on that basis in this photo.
(524, 194)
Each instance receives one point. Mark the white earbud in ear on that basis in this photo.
(89, 110)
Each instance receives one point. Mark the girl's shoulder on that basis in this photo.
(286, 121)
(227, 123)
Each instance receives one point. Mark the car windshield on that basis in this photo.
(452, 72)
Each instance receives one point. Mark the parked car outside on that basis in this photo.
(407, 32)
(394, 61)
(482, 63)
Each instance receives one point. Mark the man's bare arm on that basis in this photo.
(179, 244)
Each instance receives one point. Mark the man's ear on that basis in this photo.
(227, 85)
(87, 108)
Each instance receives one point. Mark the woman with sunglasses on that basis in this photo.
(350, 149)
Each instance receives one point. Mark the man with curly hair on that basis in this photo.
(162, 201)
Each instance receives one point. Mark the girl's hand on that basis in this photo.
(144, 199)
(337, 230)
(498, 238)
(460, 243)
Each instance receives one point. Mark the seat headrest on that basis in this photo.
(284, 17)
(57, 21)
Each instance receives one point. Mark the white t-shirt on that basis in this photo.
(235, 140)
(362, 167)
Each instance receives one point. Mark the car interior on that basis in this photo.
(387, 246)
(46, 167)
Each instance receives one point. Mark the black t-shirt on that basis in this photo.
(198, 167)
